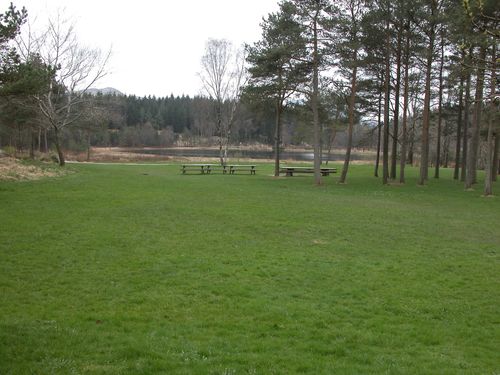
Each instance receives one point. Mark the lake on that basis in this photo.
(246, 154)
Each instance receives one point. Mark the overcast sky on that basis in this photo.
(156, 44)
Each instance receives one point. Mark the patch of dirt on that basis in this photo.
(114, 154)
(14, 170)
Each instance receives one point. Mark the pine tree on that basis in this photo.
(347, 47)
(313, 15)
(277, 68)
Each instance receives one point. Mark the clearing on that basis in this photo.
(140, 269)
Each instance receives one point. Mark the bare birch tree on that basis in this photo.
(223, 75)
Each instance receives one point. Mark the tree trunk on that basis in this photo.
(488, 181)
(32, 146)
(446, 144)
(19, 139)
(321, 140)
(314, 105)
(352, 102)
(277, 138)
(411, 146)
(465, 140)
(387, 76)
(221, 151)
(227, 137)
(411, 138)
(424, 151)
(331, 139)
(220, 132)
(394, 156)
(488, 178)
(404, 141)
(88, 146)
(471, 177)
(456, 171)
(440, 111)
(495, 169)
(60, 154)
(45, 141)
(39, 140)
(379, 131)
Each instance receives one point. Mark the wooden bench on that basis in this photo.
(243, 167)
(325, 171)
(203, 168)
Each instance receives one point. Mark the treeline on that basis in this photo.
(130, 121)
(152, 121)
(112, 120)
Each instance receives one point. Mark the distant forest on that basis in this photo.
(131, 121)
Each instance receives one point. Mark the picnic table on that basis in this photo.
(240, 167)
(205, 168)
(289, 170)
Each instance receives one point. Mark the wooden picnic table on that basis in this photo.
(241, 167)
(203, 168)
(290, 170)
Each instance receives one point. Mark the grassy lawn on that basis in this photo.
(141, 270)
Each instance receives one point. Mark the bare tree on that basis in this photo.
(223, 75)
(76, 69)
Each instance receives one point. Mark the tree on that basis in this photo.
(19, 80)
(277, 69)
(397, 89)
(387, 90)
(492, 119)
(483, 17)
(18, 108)
(431, 16)
(75, 70)
(313, 16)
(473, 149)
(373, 64)
(222, 77)
(465, 151)
(351, 13)
(10, 25)
(456, 171)
(440, 104)
(495, 168)
(407, 57)
(377, 43)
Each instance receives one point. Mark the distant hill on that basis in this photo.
(105, 91)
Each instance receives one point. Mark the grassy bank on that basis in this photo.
(139, 269)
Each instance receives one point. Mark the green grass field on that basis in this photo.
(141, 270)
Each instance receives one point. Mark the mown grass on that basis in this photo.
(141, 270)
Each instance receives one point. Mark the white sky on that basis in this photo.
(156, 44)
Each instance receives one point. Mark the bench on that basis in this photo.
(291, 170)
(244, 167)
(203, 168)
